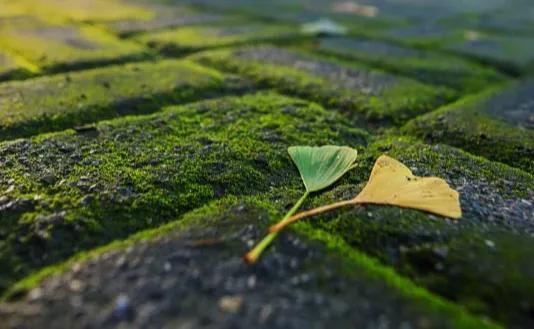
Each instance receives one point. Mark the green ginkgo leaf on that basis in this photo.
(321, 166)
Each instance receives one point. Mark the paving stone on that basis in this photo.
(511, 18)
(512, 53)
(193, 276)
(301, 12)
(378, 96)
(70, 191)
(75, 10)
(62, 101)
(496, 124)
(12, 67)
(54, 46)
(426, 66)
(219, 169)
(423, 35)
(191, 38)
(481, 261)
(165, 17)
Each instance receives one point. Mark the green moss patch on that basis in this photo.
(191, 38)
(425, 66)
(12, 67)
(70, 191)
(358, 90)
(514, 54)
(59, 46)
(496, 124)
(472, 261)
(67, 100)
(165, 17)
(77, 10)
(195, 261)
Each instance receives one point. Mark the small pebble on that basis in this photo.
(122, 306)
(231, 304)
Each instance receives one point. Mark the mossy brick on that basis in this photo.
(359, 91)
(423, 35)
(514, 54)
(165, 17)
(511, 19)
(56, 102)
(191, 38)
(418, 12)
(70, 191)
(299, 12)
(192, 269)
(426, 66)
(253, 8)
(496, 124)
(76, 10)
(481, 261)
(59, 46)
(13, 67)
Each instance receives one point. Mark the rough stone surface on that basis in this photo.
(491, 246)
(375, 95)
(74, 99)
(512, 53)
(140, 221)
(426, 66)
(10, 68)
(53, 47)
(197, 279)
(496, 124)
(164, 17)
(144, 171)
(190, 38)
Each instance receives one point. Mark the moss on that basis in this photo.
(191, 38)
(478, 125)
(357, 260)
(426, 66)
(356, 89)
(75, 10)
(423, 36)
(511, 53)
(167, 16)
(450, 258)
(58, 46)
(66, 100)
(80, 190)
(12, 67)
(352, 263)
(201, 217)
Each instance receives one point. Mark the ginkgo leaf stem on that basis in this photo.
(312, 212)
(252, 256)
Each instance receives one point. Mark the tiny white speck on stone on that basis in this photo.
(35, 293)
(251, 282)
(75, 285)
(167, 266)
(121, 304)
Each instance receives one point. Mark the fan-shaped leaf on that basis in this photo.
(393, 183)
(321, 166)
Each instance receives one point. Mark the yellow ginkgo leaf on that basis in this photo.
(393, 183)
